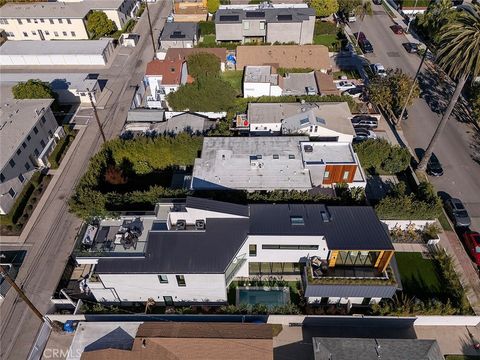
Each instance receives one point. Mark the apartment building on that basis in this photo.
(283, 25)
(190, 250)
(28, 134)
(267, 163)
(60, 20)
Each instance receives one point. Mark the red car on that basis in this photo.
(472, 242)
(397, 29)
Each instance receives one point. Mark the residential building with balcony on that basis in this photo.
(28, 134)
(189, 251)
(275, 163)
(163, 77)
(60, 20)
(281, 25)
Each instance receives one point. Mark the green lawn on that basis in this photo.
(329, 40)
(419, 276)
(234, 78)
(61, 148)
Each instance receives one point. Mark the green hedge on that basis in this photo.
(379, 156)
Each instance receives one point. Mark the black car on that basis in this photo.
(411, 48)
(365, 121)
(434, 168)
(377, 2)
(366, 46)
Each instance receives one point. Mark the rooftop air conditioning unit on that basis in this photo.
(308, 148)
(181, 225)
(200, 224)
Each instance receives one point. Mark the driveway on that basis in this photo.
(454, 149)
(51, 240)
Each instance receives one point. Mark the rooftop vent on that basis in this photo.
(200, 224)
(181, 225)
(308, 148)
(325, 215)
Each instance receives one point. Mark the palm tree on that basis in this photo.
(362, 10)
(459, 56)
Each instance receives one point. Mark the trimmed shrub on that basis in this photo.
(379, 156)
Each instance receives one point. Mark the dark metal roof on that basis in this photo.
(270, 15)
(349, 228)
(185, 252)
(369, 291)
(366, 349)
(179, 30)
(216, 206)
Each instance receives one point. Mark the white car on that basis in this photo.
(345, 85)
(379, 69)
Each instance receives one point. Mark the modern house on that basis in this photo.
(190, 251)
(28, 133)
(170, 340)
(179, 35)
(325, 348)
(163, 77)
(60, 20)
(324, 121)
(315, 57)
(56, 53)
(275, 163)
(260, 81)
(284, 25)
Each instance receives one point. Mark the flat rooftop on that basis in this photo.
(60, 47)
(58, 81)
(78, 9)
(327, 153)
(297, 83)
(260, 74)
(251, 163)
(271, 15)
(17, 118)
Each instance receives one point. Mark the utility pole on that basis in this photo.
(96, 115)
(412, 87)
(151, 30)
(20, 292)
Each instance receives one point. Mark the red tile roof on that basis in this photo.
(170, 70)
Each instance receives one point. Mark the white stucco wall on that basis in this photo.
(265, 127)
(253, 89)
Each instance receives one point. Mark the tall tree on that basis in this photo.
(98, 24)
(438, 14)
(362, 10)
(213, 6)
(459, 56)
(347, 6)
(324, 8)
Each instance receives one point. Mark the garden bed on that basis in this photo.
(61, 148)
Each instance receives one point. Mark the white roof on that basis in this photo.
(58, 81)
(17, 118)
(62, 47)
(260, 74)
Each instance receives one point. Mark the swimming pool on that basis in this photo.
(265, 296)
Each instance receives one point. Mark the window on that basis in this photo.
(163, 279)
(69, 21)
(60, 21)
(180, 280)
(35, 21)
(252, 250)
(64, 33)
(73, 33)
(43, 120)
(289, 247)
(19, 151)
(246, 25)
(276, 157)
(42, 143)
(262, 25)
(27, 166)
(25, 34)
(10, 34)
(29, 138)
(291, 156)
(55, 33)
(297, 220)
(21, 178)
(19, 21)
(4, 21)
(47, 32)
(326, 175)
(12, 163)
(35, 130)
(34, 33)
(12, 193)
(24, 145)
(36, 152)
(2, 178)
(168, 300)
(29, 21)
(51, 21)
(42, 21)
(346, 175)
(50, 134)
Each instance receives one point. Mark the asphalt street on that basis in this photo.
(454, 150)
(51, 239)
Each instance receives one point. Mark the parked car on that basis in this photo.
(366, 46)
(362, 134)
(355, 92)
(434, 168)
(365, 121)
(345, 85)
(397, 29)
(378, 69)
(360, 36)
(472, 243)
(411, 48)
(457, 212)
(170, 18)
(377, 2)
(351, 17)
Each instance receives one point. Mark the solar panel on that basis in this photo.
(229, 18)
(321, 121)
(304, 121)
(177, 35)
(284, 17)
(255, 14)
